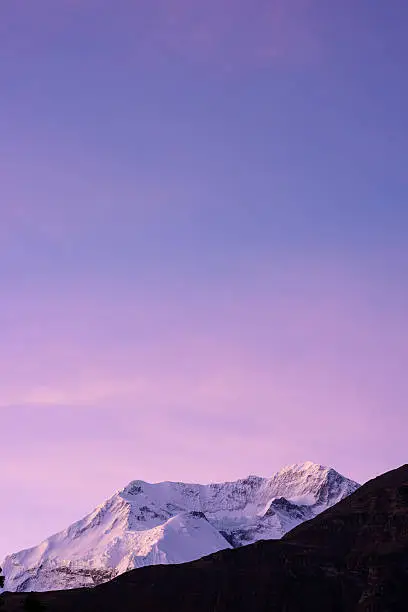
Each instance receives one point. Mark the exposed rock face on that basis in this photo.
(351, 558)
(166, 523)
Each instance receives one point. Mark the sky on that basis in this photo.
(203, 245)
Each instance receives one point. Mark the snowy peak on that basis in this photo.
(312, 484)
(174, 522)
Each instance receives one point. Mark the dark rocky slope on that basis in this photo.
(353, 557)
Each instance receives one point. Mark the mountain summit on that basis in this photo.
(173, 522)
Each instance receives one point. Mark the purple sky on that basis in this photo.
(203, 245)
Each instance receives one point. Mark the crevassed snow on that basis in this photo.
(174, 522)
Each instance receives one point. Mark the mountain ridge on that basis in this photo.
(353, 557)
(174, 522)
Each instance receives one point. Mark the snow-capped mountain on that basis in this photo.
(172, 522)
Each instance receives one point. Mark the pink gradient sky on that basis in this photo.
(202, 246)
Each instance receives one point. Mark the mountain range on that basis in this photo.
(172, 523)
(353, 557)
